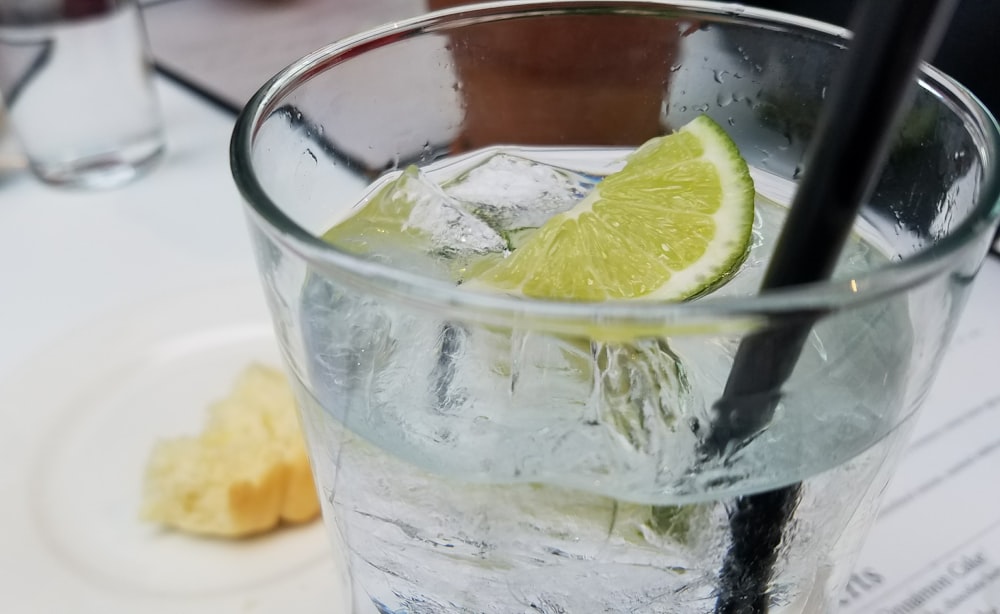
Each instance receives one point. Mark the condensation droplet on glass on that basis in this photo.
(822, 93)
(702, 108)
(675, 67)
(797, 172)
(818, 345)
(731, 121)
(719, 75)
(724, 99)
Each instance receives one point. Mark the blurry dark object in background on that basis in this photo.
(548, 81)
(967, 52)
(968, 49)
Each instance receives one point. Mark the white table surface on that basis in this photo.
(68, 256)
(123, 314)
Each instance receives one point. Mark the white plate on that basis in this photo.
(76, 427)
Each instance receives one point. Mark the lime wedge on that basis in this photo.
(675, 221)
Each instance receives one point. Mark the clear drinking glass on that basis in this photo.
(480, 452)
(76, 77)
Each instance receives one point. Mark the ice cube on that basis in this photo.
(644, 392)
(450, 229)
(510, 192)
(408, 222)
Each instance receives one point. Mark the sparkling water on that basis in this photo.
(475, 468)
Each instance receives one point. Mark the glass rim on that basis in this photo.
(383, 279)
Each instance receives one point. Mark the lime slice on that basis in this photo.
(672, 223)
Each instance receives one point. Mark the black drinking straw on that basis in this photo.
(847, 150)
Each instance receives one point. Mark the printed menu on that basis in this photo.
(935, 546)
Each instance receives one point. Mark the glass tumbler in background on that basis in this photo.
(482, 452)
(76, 79)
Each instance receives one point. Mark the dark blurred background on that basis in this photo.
(968, 53)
